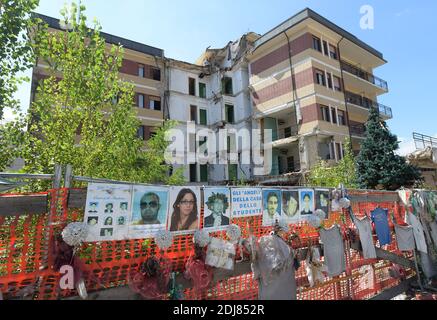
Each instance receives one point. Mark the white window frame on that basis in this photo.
(141, 98)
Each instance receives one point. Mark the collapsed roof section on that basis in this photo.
(424, 158)
(234, 51)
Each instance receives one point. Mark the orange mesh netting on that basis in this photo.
(26, 257)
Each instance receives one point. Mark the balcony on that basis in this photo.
(284, 133)
(364, 102)
(360, 73)
(290, 168)
(284, 136)
(357, 130)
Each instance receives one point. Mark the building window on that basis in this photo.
(333, 52)
(155, 104)
(193, 172)
(329, 81)
(155, 73)
(341, 117)
(140, 100)
(227, 85)
(143, 132)
(290, 164)
(325, 113)
(203, 117)
(339, 151)
(337, 84)
(287, 132)
(193, 113)
(320, 77)
(141, 69)
(332, 150)
(202, 90)
(203, 173)
(229, 113)
(316, 44)
(191, 86)
(334, 115)
(325, 48)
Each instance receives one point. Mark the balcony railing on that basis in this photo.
(367, 103)
(291, 167)
(284, 133)
(357, 130)
(364, 75)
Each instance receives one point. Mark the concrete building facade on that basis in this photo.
(307, 80)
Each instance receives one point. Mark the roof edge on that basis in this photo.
(109, 38)
(308, 13)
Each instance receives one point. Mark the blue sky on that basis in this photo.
(404, 32)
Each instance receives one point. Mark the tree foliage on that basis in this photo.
(15, 50)
(324, 175)
(377, 164)
(83, 113)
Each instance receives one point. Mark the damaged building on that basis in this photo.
(308, 80)
(425, 158)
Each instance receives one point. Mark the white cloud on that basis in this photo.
(406, 146)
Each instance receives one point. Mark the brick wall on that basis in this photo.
(297, 46)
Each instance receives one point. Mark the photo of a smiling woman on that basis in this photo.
(185, 211)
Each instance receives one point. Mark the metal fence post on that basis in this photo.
(68, 176)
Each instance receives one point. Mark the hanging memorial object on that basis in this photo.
(197, 271)
(234, 233)
(65, 247)
(164, 240)
(220, 254)
(152, 279)
(201, 238)
(74, 234)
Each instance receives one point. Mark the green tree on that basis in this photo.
(83, 113)
(16, 56)
(324, 175)
(378, 166)
(15, 50)
(11, 142)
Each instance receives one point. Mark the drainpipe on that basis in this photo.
(344, 93)
(166, 107)
(293, 90)
(293, 80)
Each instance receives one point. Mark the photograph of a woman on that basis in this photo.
(108, 221)
(184, 216)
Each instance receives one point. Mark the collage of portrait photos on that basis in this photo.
(107, 211)
(118, 212)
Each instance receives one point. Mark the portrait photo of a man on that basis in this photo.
(217, 209)
(149, 207)
(306, 202)
(290, 204)
(92, 207)
(123, 207)
(109, 208)
(272, 206)
(92, 221)
(121, 221)
(322, 200)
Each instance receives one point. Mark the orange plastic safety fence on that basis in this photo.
(26, 257)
